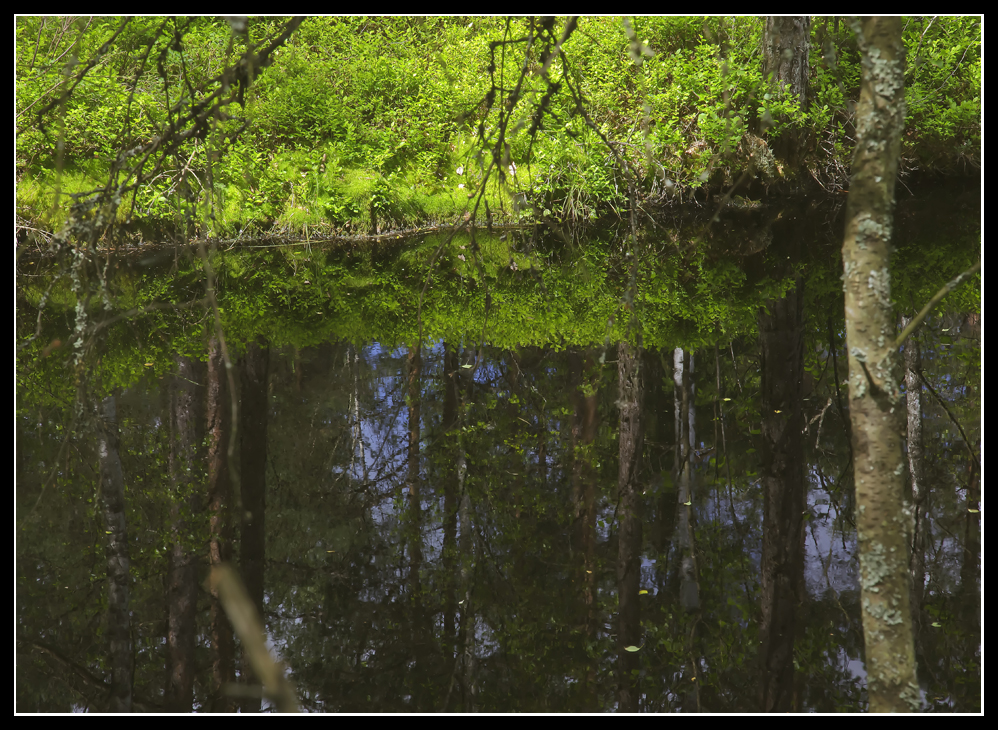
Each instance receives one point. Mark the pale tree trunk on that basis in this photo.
(685, 537)
(916, 463)
(875, 402)
(689, 589)
(119, 623)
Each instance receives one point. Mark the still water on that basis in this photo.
(496, 475)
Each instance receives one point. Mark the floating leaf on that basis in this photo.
(467, 366)
(688, 502)
(631, 648)
(973, 511)
(726, 399)
(641, 593)
(937, 625)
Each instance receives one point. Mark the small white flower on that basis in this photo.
(460, 170)
(512, 169)
(460, 186)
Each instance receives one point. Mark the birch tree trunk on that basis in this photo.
(919, 488)
(875, 405)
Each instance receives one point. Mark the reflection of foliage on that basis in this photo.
(308, 296)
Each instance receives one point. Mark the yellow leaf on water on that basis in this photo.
(631, 648)
(641, 593)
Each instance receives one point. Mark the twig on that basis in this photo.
(947, 288)
(246, 623)
(966, 440)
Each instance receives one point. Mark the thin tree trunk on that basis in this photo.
(253, 465)
(452, 364)
(689, 591)
(181, 588)
(468, 618)
(585, 378)
(689, 587)
(122, 659)
(218, 412)
(418, 631)
(916, 469)
(875, 401)
(629, 537)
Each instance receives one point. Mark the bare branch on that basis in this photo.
(918, 318)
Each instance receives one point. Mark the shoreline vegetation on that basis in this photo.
(364, 128)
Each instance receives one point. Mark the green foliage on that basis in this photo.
(399, 100)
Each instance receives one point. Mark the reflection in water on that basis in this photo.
(450, 526)
(782, 372)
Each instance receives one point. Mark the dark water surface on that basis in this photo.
(506, 516)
